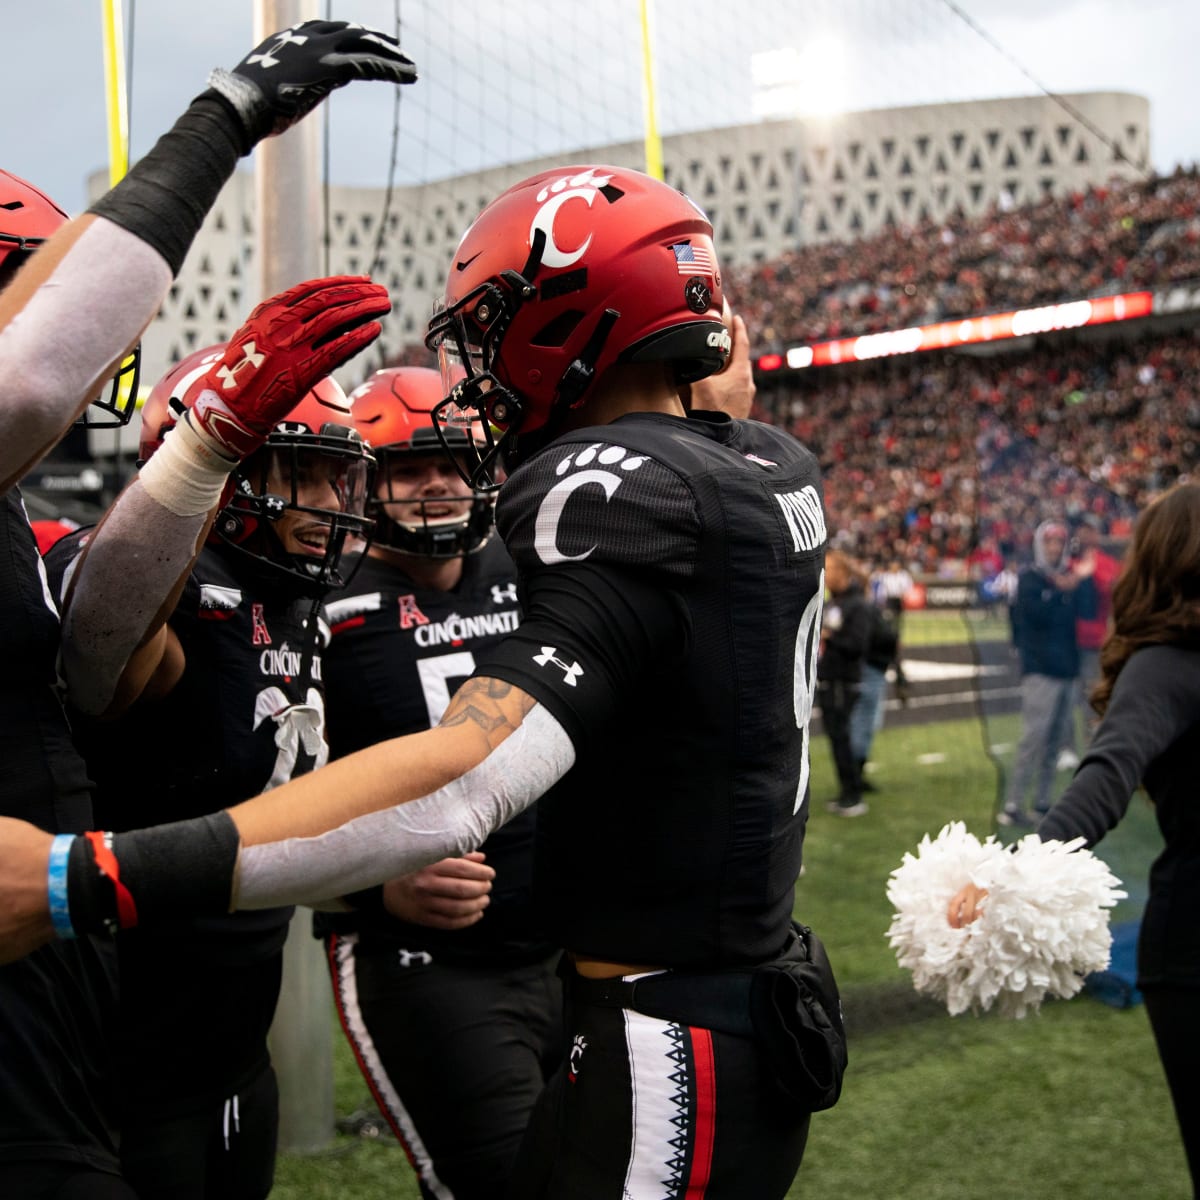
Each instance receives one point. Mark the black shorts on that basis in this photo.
(225, 1150)
(61, 1181)
(57, 1094)
(454, 1055)
(646, 1109)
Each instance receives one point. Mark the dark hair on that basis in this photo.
(1156, 598)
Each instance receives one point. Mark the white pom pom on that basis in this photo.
(1044, 923)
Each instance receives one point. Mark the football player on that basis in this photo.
(656, 695)
(57, 1105)
(454, 1009)
(70, 316)
(239, 656)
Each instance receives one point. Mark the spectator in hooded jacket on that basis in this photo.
(845, 630)
(1051, 596)
(881, 655)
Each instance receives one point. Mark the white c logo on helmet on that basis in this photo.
(583, 187)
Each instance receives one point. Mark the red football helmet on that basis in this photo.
(317, 439)
(561, 277)
(393, 411)
(27, 218)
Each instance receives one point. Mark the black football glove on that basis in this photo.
(287, 76)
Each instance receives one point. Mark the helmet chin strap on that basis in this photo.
(312, 632)
(569, 394)
(533, 263)
(578, 376)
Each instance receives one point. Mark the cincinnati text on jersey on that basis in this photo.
(286, 662)
(455, 629)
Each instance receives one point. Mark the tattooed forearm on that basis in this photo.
(494, 706)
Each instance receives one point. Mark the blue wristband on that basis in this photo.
(60, 909)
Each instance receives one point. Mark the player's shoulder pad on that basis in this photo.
(772, 447)
(490, 570)
(613, 495)
(632, 493)
(493, 561)
(213, 590)
(61, 560)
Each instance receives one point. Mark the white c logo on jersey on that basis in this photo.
(583, 187)
(545, 539)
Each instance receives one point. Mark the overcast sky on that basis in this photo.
(504, 80)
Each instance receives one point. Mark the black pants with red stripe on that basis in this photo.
(455, 1056)
(647, 1109)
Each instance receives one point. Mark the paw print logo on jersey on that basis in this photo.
(585, 186)
(611, 465)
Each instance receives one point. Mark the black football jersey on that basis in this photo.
(671, 573)
(247, 714)
(398, 652)
(44, 777)
(56, 1005)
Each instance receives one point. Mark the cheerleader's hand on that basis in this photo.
(966, 905)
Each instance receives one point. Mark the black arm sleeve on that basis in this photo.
(587, 637)
(167, 194)
(1155, 700)
(185, 868)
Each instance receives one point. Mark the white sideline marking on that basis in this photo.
(924, 670)
(973, 698)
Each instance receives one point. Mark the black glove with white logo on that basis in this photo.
(287, 76)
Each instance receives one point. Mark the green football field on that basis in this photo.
(1069, 1103)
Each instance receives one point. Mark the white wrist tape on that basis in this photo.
(186, 475)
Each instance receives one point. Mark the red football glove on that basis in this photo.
(288, 344)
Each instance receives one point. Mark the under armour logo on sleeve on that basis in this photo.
(571, 671)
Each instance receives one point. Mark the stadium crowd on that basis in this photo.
(928, 456)
(925, 454)
(1124, 236)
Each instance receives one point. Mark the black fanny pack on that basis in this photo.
(797, 1016)
(790, 1006)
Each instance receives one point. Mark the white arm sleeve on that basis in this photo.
(133, 561)
(55, 349)
(394, 841)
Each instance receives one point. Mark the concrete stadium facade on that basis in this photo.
(768, 187)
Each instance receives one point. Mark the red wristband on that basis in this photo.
(106, 861)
